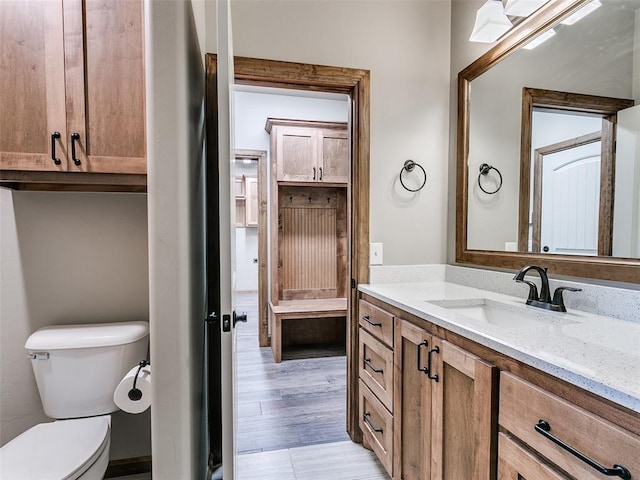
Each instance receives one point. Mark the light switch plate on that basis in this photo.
(375, 254)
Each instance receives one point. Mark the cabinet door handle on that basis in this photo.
(367, 419)
(435, 377)
(314, 173)
(367, 319)
(74, 138)
(320, 170)
(424, 370)
(543, 428)
(55, 136)
(367, 363)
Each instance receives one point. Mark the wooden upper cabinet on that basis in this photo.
(309, 152)
(32, 90)
(85, 82)
(251, 184)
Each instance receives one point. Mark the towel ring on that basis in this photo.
(484, 170)
(409, 165)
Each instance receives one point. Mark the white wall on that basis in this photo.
(252, 108)
(405, 45)
(68, 258)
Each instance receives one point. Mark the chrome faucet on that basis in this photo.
(544, 299)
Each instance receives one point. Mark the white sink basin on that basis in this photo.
(499, 314)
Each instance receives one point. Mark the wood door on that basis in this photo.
(297, 154)
(464, 414)
(32, 90)
(104, 63)
(251, 201)
(412, 403)
(335, 157)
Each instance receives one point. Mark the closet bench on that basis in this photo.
(300, 310)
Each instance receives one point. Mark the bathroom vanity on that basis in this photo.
(483, 386)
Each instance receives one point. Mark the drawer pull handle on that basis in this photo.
(367, 363)
(373, 324)
(367, 419)
(320, 170)
(543, 428)
(424, 370)
(435, 377)
(314, 173)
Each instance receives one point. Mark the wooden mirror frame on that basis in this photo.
(605, 268)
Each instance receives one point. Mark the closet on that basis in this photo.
(309, 253)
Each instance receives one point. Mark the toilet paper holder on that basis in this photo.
(135, 394)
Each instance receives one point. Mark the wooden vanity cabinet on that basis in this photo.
(76, 85)
(376, 382)
(445, 408)
(310, 152)
(525, 408)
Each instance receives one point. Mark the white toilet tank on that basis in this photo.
(77, 367)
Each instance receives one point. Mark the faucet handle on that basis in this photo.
(557, 297)
(533, 289)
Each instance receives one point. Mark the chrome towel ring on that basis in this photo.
(409, 166)
(484, 170)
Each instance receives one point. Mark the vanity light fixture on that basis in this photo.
(522, 8)
(543, 37)
(491, 22)
(583, 12)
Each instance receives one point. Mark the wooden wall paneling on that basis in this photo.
(32, 91)
(309, 241)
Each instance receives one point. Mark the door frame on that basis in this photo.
(356, 84)
(261, 157)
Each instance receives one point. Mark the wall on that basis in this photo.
(68, 258)
(175, 142)
(405, 45)
(252, 108)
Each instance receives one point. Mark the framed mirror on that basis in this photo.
(554, 132)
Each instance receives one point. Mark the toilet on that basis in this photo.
(77, 369)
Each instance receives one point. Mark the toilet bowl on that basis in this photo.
(77, 368)
(75, 449)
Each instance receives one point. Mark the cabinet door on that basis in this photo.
(412, 403)
(297, 154)
(516, 463)
(104, 64)
(464, 414)
(32, 95)
(335, 157)
(251, 188)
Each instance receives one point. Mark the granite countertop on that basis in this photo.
(600, 354)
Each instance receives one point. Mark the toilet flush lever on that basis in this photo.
(39, 356)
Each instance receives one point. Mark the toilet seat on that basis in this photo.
(61, 450)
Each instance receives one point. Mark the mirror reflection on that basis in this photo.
(558, 122)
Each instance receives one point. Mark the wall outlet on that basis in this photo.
(375, 254)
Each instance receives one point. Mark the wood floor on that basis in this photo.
(299, 402)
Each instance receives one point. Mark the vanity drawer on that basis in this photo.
(523, 406)
(516, 463)
(377, 322)
(376, 424)
(376, 368)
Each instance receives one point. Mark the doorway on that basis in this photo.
(355, 84)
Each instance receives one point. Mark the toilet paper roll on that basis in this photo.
(121, 395)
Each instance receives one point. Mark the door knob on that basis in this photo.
(242, 317)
